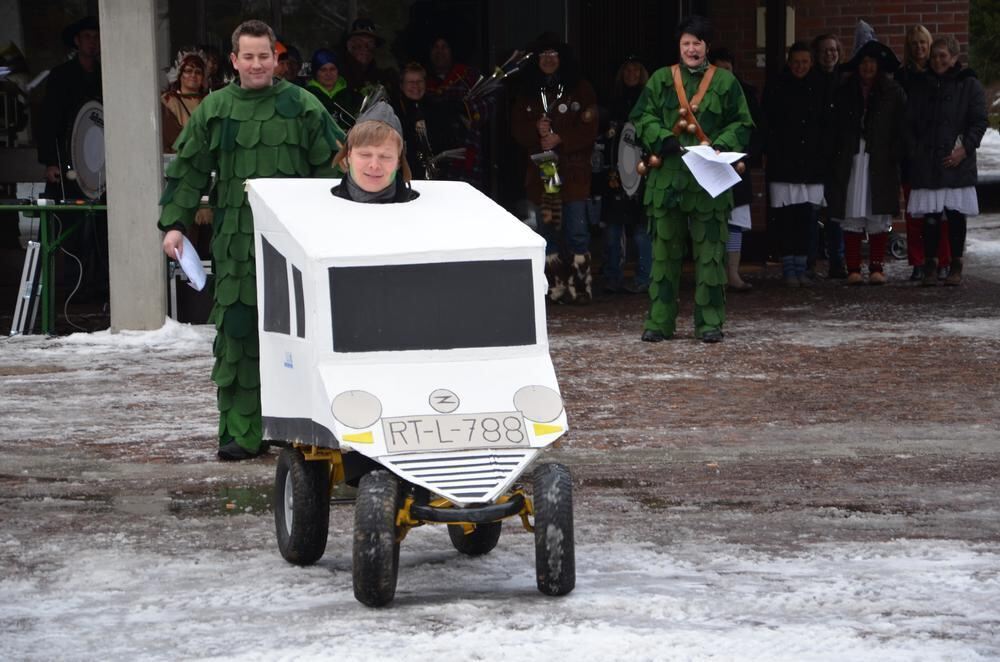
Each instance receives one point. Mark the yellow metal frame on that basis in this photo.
(319, 454)
(405, 520)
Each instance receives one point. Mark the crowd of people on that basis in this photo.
(841, 138)
(841, 141)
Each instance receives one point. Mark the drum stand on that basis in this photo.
(26, 308)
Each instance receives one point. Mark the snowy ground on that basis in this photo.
(824, 485)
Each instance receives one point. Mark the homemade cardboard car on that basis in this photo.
(408, 337)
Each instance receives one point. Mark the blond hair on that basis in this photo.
(368, 133)
(911, 35)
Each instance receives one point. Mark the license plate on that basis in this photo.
(440, 433)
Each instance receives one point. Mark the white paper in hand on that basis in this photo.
(712, 171)
(191, 265)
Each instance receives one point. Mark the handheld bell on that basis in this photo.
(741, 167)
(692, 128)
(655, 161)
(694, 108)
(682, 112)
(682, 124)
(641, 168)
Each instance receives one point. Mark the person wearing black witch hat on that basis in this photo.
(863, 191)
(555, 114)
(69, 86)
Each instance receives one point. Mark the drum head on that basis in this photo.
(87, 149)
(629, 154)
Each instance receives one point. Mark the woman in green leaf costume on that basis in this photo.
(254, 127)
(712, 111)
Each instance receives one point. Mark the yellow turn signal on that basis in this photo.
(361, 438)
(541, 428)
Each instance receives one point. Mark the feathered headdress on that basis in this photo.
(183, 55)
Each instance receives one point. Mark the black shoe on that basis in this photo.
(653, 336)
(837, 270)
(712, 336)
(233, 452)
(918, 274)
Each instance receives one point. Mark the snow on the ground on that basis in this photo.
(988, 156)
(902, 600)
(159, 587)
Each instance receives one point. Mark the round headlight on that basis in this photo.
(356, 409)
(538, 403)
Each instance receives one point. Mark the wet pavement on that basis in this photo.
(828, 416)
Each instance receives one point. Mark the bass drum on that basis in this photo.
(629, 154)
(87, 150)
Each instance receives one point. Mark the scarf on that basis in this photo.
(700, 69)
(358, 194)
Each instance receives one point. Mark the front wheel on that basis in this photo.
(301, 506)
(481, 541)
(555, 557)
(376, 538)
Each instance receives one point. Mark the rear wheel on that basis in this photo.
(555, 557)
(301, 506)
(376, 545)
(481, 541)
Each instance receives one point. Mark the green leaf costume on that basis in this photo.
(677, 205)
(278, 131)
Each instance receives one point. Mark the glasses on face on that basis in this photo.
(192, 70)
(549, 54)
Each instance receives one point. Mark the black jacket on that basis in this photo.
(880, 123)
(743, 191)
(797, 116)
(940, 111)
(66, 90)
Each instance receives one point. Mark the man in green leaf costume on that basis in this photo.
(712, 110)
(255, 127)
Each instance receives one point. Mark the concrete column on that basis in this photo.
(134, 162)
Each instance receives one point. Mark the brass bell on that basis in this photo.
(692, 128)
(682, 112)
(641, 168)
(682, 124)
(741, 167)
(694, 108)
(654, 161)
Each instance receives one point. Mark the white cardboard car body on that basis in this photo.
(421, 323)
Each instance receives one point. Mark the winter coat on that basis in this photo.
(940, 111)
(797, 118)
(880, 123)
(723, 116)
(743, 191)
(574, 118)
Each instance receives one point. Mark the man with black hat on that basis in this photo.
(69, 86)
(359, 68)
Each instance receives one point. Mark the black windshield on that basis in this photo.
(432, 306)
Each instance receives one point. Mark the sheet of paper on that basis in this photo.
(708, 152)
(712, 171)
(191, 265)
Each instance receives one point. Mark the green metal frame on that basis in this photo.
(49, 245)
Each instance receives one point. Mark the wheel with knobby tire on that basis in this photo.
(555, 557)
(479, 541)
(301, 506)
(376, 538)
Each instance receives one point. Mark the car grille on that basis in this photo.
(462, 477)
